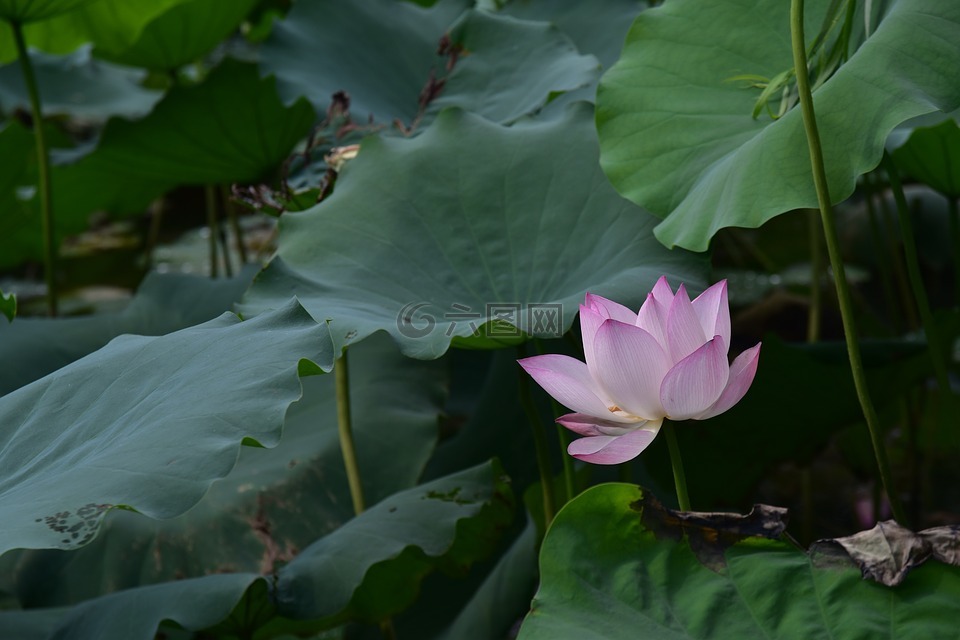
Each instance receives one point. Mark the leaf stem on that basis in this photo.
(836, 260)
(43, 164)
(210, 198)
(679, 477)
(231, 209)
(540, 444)
(953, 220)
(816, 271)
(563, 436)
(342, 379)
(916, 280)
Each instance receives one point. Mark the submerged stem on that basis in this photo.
(679, 477)
(345, 429)
(836, 260)
(540, 444)
(916, 280)
(210, 198)
(816, 271)
(43, 166)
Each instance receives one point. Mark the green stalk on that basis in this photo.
(679, 477)
(563, 435)
(231, 209)
(881, 246)
(211, 204)
(43, 164)
(540, 444)
(954, 224)
(836, 260)
(344, 425)
(916, 280)
(816, 270)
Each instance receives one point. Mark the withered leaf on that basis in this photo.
(888, 552)
(710, 534)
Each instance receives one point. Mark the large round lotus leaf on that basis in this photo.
(510, 68)
(676, 130)
(365, 570)
(380, 52)
(370, 568)
(230, 128)
(111, 23)
(276, 501)
(606, 576)
(181, 35)
(514, 224)
(147, 423)
(136, 614)
(597, 28)
(32, 10)
(79, 86)
(164, 303)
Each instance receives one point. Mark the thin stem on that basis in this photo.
(43, 165)
(234, 218)
(342, 381)
(953, 220)
(816, 271)
(563, 435)
(679, 477)
(540, 444)
(836, 260)
(211, 204)
(880, 247)
(916, 280)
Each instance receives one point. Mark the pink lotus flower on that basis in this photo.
(667, 361)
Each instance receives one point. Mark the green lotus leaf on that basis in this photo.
(380, 557)
(380, 52)
(136, 614)
(24, 11)
(516, 225)
(230, 128)
(147, 423)
(164, 303)
(114, 24)
(596, 28)
(932, 155)
(253, 520)
(605, 574)
(676, 130)
(79, 86)
(510, 68)
(181, 35)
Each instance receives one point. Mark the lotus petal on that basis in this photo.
(630, 367)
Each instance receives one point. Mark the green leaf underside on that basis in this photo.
(619, 581)
(110, 24)
(24, 11)
(181, 35)
(932, 155)
(677, 135)
(146, 422)
(523, 221)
